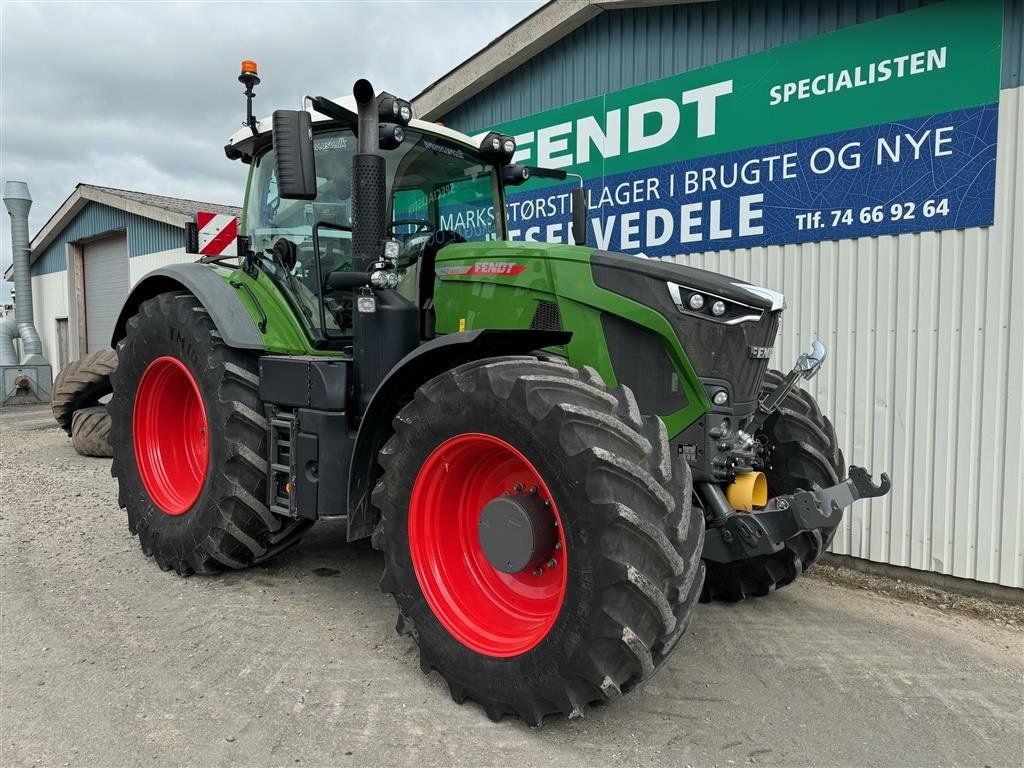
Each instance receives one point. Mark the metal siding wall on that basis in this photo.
(1013, 44)
(925, 330)
(925, 375)
(623, 48)
(140, 266)
(144, 235)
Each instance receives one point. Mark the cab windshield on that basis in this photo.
(437, 192)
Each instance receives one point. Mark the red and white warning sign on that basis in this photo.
(217, 232)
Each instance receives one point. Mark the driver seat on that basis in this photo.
(428, 260)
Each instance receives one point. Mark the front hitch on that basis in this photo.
(805, 369)
(743, 535)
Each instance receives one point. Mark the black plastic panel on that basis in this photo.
(232, 319)
(642, 364)
(322, 454)
(305, 382)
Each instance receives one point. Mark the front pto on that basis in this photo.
(744, 535)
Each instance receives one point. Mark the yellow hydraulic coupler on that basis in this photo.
(748, 490)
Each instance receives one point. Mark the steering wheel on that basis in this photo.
(422, 227)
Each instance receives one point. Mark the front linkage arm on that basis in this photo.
(745, 535)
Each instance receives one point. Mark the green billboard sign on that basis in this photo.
(882, 127)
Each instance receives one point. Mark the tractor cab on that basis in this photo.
(441, 188)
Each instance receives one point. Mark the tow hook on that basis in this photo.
(743, 535)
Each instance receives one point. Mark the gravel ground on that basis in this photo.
(107, 661)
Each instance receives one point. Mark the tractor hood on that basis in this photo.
(620, 268)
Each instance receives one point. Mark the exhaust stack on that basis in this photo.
(385, 324)
(369, 201)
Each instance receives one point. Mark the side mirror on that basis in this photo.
(293, 147)
(579, 215)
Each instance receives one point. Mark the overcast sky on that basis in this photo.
(143, 96)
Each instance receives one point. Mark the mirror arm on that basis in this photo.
(579, 211)
(549, 173)
(335, 111)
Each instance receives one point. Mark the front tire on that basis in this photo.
(803, 454)
(624, 574)
(189, 440)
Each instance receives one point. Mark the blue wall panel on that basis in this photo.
(623, 48)
(144, 235)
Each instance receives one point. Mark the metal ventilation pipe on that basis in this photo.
(18, 202)
(8, 333)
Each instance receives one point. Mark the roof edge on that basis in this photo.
(82, 196)
(537, 32)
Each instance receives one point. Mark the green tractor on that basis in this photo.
(559, 450)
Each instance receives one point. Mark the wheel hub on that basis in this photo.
(517, 533)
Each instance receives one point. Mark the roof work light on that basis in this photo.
(250, 78)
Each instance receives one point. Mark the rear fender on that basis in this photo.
(232, 319)
(419, 366)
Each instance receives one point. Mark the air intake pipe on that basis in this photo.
(18, 202)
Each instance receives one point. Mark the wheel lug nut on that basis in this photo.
(535, 490)
(518, 487)
(558, 545)
(537, 572)
(552, 563)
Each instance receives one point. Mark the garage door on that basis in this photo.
(105, 265)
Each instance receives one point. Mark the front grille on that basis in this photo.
(719, 351)
(715, 350)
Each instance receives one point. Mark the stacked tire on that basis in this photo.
(76, 402)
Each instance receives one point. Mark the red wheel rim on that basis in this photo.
(494, 613)
(170, 433)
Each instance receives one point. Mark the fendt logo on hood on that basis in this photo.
(483, 268)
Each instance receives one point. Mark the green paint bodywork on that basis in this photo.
(285, 333)
(490, 299)
(552, 272)
(562, 274)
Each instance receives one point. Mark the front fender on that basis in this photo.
(232, 319)
(419, 366)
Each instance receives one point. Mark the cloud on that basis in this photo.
(144, 95)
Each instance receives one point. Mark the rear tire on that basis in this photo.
(90, 432)
(189, 443)
(629, 560)
(806, 455)
(81, 384)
